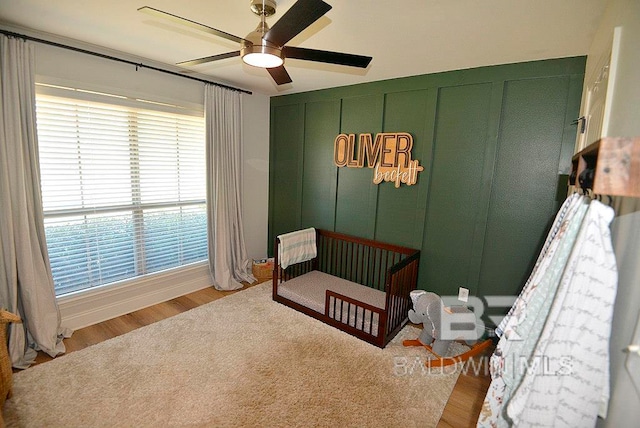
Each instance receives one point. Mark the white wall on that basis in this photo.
(624, 407)
(255, 113)
(61, 66)
(58, 64)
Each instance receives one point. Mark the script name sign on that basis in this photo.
(389, 154)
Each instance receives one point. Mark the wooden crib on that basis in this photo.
(358, 285)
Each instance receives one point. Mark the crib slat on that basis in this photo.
(367, 258)
(386, 264)
(372, 316)
(342, 260)
(360, 263)
(334, 307)
(349, 261)
(324, 254)
(336, 255)
(380, 269)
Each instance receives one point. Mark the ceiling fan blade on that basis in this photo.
(189, 23)
(280, 75)
(327, 56)
(299, 16)
(210, 58)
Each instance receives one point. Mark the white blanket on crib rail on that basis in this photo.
(296, 247)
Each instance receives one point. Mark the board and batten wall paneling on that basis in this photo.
(523, 198)
(454, 194)
(357, 198)
(285, 170)
(400, 214)
(492, 141)
(320, 176)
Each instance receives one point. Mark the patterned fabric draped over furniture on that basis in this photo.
(551, 365)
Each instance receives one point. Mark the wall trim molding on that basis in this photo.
(90, 307)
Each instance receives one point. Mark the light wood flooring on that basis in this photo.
(461, 411)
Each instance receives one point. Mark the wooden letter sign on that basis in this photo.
(389, 155)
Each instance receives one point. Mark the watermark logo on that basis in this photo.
(540, 365)
(411, 366)
(466, 322)
(445, 321)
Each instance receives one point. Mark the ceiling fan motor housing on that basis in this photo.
(253, 43)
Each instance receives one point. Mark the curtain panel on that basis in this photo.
(228, 261)
(26, 284)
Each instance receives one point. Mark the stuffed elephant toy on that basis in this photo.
(429, 311)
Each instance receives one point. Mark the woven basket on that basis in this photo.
(263, 269)
(6, 380)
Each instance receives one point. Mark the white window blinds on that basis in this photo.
(123, 190)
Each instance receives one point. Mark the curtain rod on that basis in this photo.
(113, 58)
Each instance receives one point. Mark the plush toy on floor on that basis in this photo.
(442, 326)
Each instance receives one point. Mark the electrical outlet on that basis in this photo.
(463, 294)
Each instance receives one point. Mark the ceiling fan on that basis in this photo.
(265, 47)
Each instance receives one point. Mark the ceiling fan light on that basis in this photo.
(262, 60)
(262, 55)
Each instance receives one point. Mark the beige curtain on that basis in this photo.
(228, 261)
(26, 285)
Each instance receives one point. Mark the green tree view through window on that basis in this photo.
(123, 190)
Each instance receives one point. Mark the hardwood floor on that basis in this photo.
(465, 402)
(461, 411)
(117, 326)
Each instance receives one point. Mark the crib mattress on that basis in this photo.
(309, 290)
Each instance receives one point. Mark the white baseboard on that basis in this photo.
(90, 307)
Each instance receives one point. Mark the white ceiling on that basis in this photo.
(404, 37)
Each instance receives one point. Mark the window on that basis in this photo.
(123, 187)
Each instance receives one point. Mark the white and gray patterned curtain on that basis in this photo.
(551, 365)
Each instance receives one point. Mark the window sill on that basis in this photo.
(88, 307)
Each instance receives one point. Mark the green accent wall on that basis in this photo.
(494, 142)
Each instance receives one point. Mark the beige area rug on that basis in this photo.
(243, 360)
